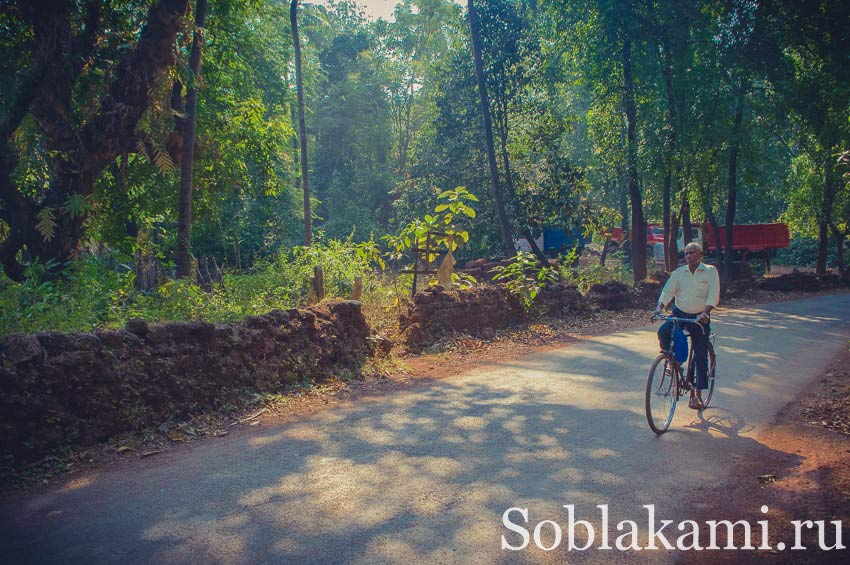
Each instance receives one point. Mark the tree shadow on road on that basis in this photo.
(418, 476)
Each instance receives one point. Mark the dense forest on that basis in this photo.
(237, 143)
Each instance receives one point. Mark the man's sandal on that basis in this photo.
(695, 402)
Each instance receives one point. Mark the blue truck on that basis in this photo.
(554, 241)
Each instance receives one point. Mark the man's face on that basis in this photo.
(692, 257)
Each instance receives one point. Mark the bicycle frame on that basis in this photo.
(689, 361)
(685, 378)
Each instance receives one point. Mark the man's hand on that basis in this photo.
(655, 314)
(703, 318)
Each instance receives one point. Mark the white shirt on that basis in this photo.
(693, 291)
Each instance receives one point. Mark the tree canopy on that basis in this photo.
(665, 112)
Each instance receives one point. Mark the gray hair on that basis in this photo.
(693, 246)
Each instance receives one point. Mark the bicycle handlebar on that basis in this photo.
(683, 320)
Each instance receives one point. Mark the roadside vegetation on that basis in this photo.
(151, 170)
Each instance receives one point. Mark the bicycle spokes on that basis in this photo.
(661, 393)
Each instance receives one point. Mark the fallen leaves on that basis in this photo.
(831, 409)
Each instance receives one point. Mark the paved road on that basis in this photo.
(426, 475)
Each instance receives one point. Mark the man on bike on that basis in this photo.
(695, 287)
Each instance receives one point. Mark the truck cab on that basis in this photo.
(657, 244)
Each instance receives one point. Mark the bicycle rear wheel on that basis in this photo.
(712, 365)
(661, 393)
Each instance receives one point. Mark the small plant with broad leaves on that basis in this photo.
(452, 215)
(447, 227)
(525, 277)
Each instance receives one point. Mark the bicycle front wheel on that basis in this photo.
(712, 365)
(661, 394)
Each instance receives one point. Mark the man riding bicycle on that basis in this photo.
(695, 287)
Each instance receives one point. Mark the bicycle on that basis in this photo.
(667, 382)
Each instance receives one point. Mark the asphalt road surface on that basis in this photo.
(425, 475)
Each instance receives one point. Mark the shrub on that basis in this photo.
(87, 296)
(803, 252)
(586, 276)
(524, 277)
(94, 294)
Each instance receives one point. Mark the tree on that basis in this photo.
(638, 238)
(85, 121)
(815, 45)
(352, 157)
(475, 39)
(184, 209)
(302, 124)
(506, 51)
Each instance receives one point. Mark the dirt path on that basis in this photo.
(804, 473)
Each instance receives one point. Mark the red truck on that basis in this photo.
(750, 241)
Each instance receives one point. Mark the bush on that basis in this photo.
(525, 277)
(803, 252)
(94, 294)
(87, 296)
(587, 276)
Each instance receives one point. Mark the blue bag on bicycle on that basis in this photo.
(680, 345)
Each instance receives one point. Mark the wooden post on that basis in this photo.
(358, 288)
(311, 291)
(415, 250)
(428, 251)
(319, 282)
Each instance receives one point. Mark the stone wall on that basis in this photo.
(81, 388)
(436, 312)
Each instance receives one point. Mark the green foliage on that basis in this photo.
(100, 294)
(586, 276)
(392, 113)
(46, 225)
(803, 252)
(525, 277)
(88, 296)
(447, 226)
(464, 281)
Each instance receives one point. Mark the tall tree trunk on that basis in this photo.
(839, 246)
(675, 219)
(825, 215)
(732, 195)
(302, 125)
(501, 214)
(670, 255)
(638, 224)
(712, 221)
(686, 218)
(623, 195)
(669, 235)
(673, 249)
(184, 207)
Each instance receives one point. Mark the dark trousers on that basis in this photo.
(699, 340)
